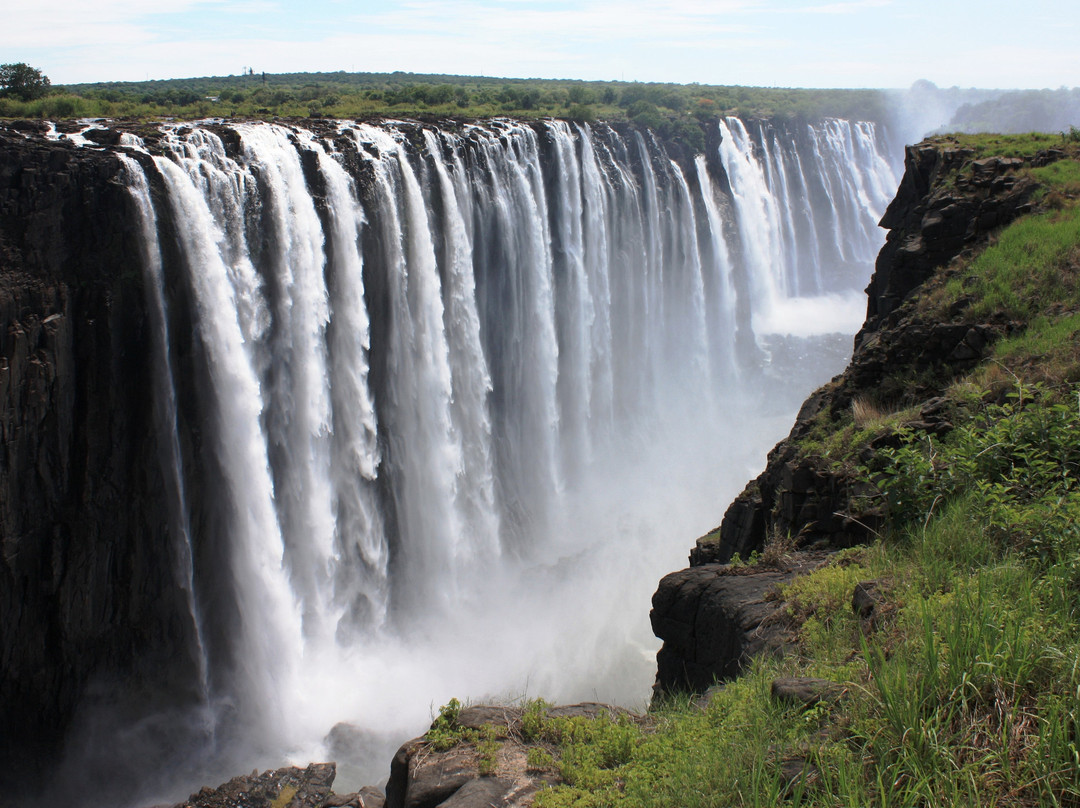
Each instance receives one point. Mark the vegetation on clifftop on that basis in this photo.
(671, 109)
(962, 687)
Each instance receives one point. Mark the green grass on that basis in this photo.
(1035, 264)
(967, 694)
(1029, 273)
(997, 145)
(1063, 175)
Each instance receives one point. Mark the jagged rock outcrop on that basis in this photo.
(81, 590)
(947, 203)
(931, 220)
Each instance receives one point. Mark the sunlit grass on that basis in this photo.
(1034, 264)
(989, 144)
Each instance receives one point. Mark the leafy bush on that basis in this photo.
(1020, 460)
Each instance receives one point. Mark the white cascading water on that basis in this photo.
(360, 557)
(166, 417)
(470, 378)
(720, 289)
(460, 397)
(807, 217)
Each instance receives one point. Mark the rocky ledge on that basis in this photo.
(714, 618)
(463, 776)
(486, 763)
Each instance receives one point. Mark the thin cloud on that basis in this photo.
(604, 21)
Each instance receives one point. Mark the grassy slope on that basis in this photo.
(966, 691)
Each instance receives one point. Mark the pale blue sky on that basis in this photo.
(787, 43)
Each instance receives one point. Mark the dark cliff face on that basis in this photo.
(83, 587)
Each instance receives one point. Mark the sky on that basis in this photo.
(777, 43)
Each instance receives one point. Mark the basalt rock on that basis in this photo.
(931, 220)
(948, 202)
(81, 494)
(291, 787)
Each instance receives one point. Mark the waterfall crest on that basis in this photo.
(414, 355)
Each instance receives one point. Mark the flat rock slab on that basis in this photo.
(509, 718)
(479, 715)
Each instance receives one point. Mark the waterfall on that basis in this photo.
(268, 611)
(806, 206)
(166, 416)
(453, 398)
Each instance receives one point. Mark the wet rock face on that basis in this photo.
(83, 586)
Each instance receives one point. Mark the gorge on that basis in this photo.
(329, 422)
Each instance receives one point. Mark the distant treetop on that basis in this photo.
(19, 80)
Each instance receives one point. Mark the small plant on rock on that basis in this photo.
(446, 732)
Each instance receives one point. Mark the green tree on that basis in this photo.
(645, 113)
(19, 80)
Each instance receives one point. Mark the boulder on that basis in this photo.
(423, 778)
(799, 775)
(865, 599)
(714, 618)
